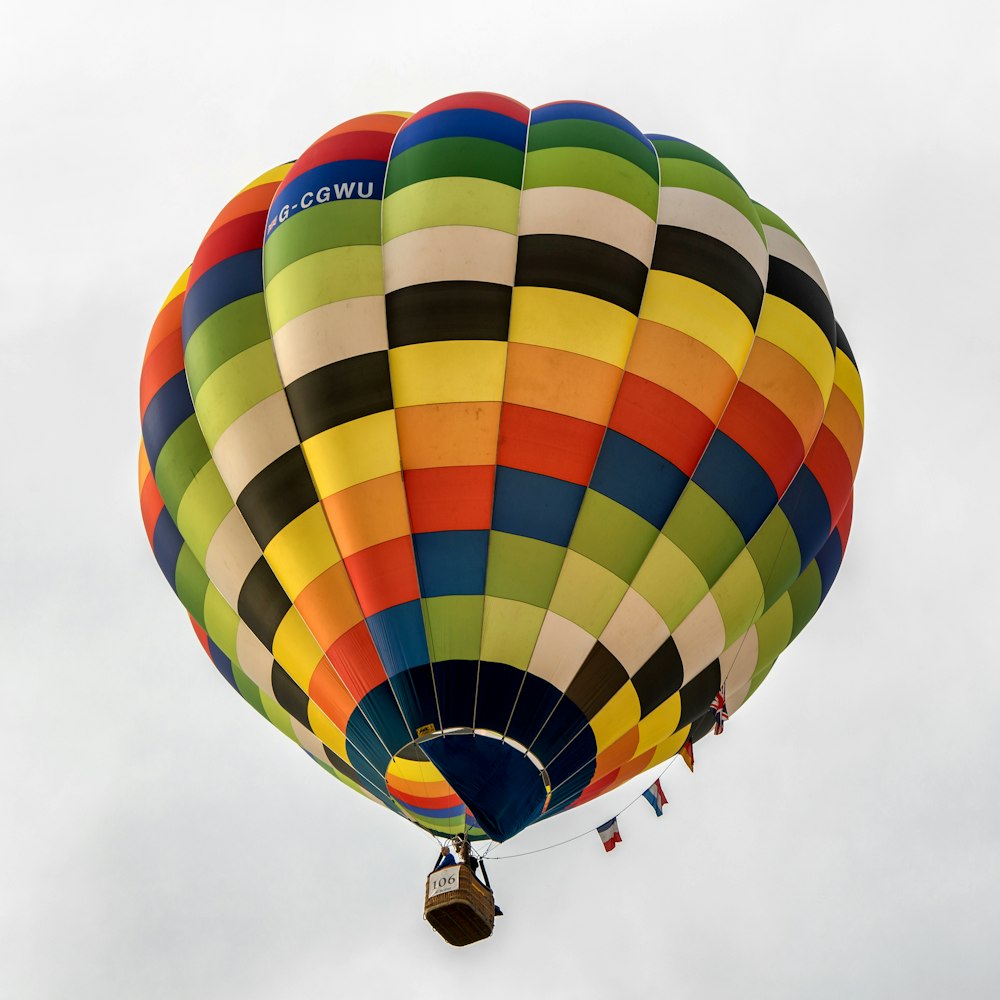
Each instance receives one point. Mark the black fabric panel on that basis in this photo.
(659, 677)
(697, 694)
(334, 394)
(289, 695)
(262, 603)
(575, 264)
(455, 683)
(844, 345)
(277, 495)
(447, 310)
(712, 262)
(597, 681)
(787, 282)
(702, 727)
(499, 684)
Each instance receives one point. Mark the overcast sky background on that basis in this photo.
(159, 840)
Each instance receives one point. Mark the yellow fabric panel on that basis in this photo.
(659, 724)
(510, 629)
(739, 595)
(451, 201)
(848, 381)
(274, 174)
(700, 312)
(180, 285)
(448, 371)
(418, 774)
(301, 551)
(797, 335)
(670, 747)
(327, 732)
(295, 649)
(670, 582)
(570, 321)
(321, 278)
(618, 716)
(353, 453)
(144, 468)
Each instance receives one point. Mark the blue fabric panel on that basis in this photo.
(380, 707)
(166, 411)
(562, 110)
(399, 637)
(414, 689)
(499, 684)
(637, 478)
(231, 279)
(345, 179)
(498, 783)
(808, 512)
(736, 483)
(222, 662)
(535, 506)
(828, 561)
(455, 684)
(167, 543)
(451, 562)
(472, 123)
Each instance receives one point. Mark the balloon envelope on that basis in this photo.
(485, 446)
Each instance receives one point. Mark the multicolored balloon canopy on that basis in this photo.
(486, 445)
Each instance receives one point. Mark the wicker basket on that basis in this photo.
(461, 909)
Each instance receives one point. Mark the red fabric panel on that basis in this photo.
(384, 575)
(551, 444)
(450, 498)
(662, 421)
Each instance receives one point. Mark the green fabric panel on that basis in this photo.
(181, 458)
(739, 595)
(222, 336)
(522, 569)
(191, 582)
(806, 594)
(321, 278)
(221, 622)
(774, 221)
(454, 626)
(203, 508)
(612, 535)
(704, 532)
(236, 387)
(455, 157)
(277, 716)
(678, 149)
(593, 169)
(587, 593)
(510, 631)
(323, 227)
(247, 688)
(451, 201)
(570, 132)
(775, 550)
(698, 177)
(670, 582)
(774, 632)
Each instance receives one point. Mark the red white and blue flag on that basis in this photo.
(718, 709)
(609, 834)
(655, 797)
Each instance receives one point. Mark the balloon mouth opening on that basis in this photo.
(502, 783)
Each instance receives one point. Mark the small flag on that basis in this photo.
(655, 797)
(718, 709)
(609, 834)
(687, 755)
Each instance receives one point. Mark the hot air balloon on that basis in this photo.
(485, 446)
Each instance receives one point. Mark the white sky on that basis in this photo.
(159, 840)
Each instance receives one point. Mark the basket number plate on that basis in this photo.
(445, 880)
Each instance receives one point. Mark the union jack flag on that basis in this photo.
(718, 709)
